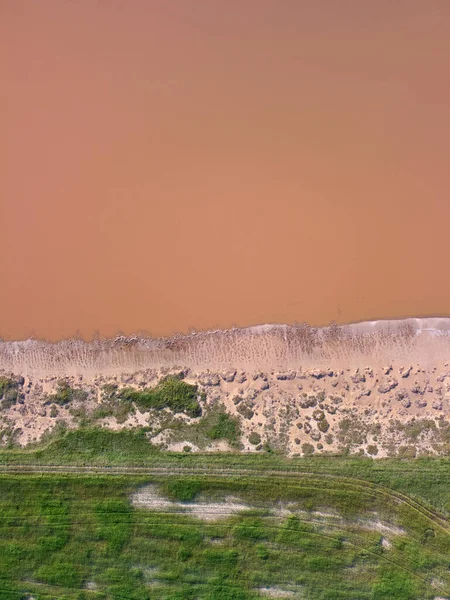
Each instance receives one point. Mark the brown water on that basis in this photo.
(165, 166)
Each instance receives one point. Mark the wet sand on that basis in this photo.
(163, 169)
(375, 343)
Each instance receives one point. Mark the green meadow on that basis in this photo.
(318, 528)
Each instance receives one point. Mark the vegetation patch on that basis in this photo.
(80, 537)
(65, 393)
(183, 490)
(226, 428)
(171, 392)
(254, 438)
(9, 391)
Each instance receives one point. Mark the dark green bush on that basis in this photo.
(254, 438)
(226, 428)
(307, 449)
(245, 410)
(9, 391)
(184, 490)
(323, 426)
(372, 449)
(65, 393)
(171, 392)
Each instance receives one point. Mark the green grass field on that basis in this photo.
(316, 528)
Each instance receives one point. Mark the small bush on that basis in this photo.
(318, 415)
(323, 426)
(307, 449)
(65, 393)
(254, 438)
(171, 392)
(9, 391)
(372, 449)
(406, 452)
(245, 410)
(109, 390)
(262, 552)
(226, 428)
(184, 554)
(183, 490)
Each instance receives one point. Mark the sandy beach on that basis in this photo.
(373, 387)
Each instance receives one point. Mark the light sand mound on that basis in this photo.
(274, 592)
(377, 525)
(150, 498)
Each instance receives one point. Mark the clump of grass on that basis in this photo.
(372, 449)
(9, 391)
(414, 429)
(323, 425)
(226, 428)
(352, 432)
(101, 445)
(245, 410)
(65, 393)
(171, 392)
(183, 490)
(307, 449)
(254, 438)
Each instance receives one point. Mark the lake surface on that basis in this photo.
(168, 167)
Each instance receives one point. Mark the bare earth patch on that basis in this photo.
(149, 497)
(274, 592)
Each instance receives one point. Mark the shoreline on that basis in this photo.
(269, 346)
(426, 323)
(278, 380)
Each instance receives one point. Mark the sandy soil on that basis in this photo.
(150, 498)
(367, 388)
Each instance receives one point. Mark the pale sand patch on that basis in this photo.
(179, 447)
(386, 543)
(274, 592)
(286, 510)
(382, 527)
(150, 498)
(90, 585)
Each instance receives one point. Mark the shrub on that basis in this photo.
(307, 449)
(171, 392)
(183, 490)
(109, 390)
(323, 426)
(406, 452)
(372, 449)
(262, 552)
(65, 393)
(9, 391)
(254, 438)
(318, 415)
(226, 428)
(245, 410)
